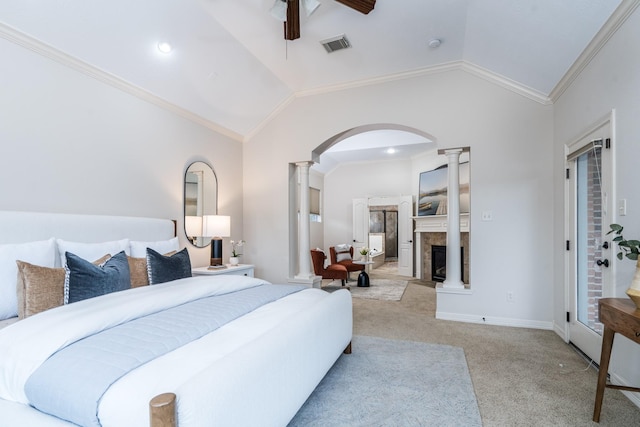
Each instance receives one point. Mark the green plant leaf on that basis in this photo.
(616, 227)
(633, 256)
(620, 255)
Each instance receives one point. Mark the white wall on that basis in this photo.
(610, 81)
(511, 174)
(358, 180)
(70, 143)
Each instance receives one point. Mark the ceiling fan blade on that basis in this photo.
(292, 25)
(363, 6)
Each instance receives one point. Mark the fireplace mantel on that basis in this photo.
(433, 224)
(438, 223)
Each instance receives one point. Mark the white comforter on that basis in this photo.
(26, 344)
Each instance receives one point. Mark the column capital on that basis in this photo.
(306, 163)
(454, 149)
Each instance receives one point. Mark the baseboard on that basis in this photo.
(497, 321)
(561, 331)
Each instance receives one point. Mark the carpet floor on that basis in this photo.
(394, 383)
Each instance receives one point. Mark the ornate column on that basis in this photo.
(305, 274)
(454, 259)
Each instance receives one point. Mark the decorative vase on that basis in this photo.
(634, 289)
(234, 260)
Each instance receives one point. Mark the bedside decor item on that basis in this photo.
(631, 250)
(216, 227)
(235, 256)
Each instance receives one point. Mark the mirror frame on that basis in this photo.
(200, 241)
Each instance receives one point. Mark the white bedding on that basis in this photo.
(256, 339)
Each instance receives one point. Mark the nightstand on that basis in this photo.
(240, 270)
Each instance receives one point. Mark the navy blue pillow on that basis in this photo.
(161, 268)
(85, 280)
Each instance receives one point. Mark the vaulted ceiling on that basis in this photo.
(231, 68)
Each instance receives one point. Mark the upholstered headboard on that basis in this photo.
(36, 227)
(20, 227)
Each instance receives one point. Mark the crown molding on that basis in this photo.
(506, 83)
(17, 37)
(469, 67)
(615, 21)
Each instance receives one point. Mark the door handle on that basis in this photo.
(602, 262)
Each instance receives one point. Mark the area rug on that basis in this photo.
(380, 289)
(393, 383)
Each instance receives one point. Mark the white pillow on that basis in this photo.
(91, 251)
(343, 248)
(42, 253)
(139, 249)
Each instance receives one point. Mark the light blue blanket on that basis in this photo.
(71, 382)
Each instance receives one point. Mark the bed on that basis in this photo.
(254, 355)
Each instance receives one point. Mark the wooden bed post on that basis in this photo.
(348, 349)
(162, 410)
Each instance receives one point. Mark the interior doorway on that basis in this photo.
(383, 223)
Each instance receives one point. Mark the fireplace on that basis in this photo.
(439, 263)
(431, 231)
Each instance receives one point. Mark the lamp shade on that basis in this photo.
(216, 226)
(193, 226)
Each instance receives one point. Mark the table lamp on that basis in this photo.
(216, 227)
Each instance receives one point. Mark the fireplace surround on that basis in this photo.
(432, 230)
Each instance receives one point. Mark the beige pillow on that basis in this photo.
(138, 269)
(41, 288)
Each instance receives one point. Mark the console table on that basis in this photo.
(617, 315)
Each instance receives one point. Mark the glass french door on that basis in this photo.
(589, 171)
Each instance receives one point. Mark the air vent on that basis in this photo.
(336, 43)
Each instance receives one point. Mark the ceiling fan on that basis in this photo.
(288, 11)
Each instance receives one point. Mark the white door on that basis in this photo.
(405, 236)
(360, 224)
(589, 169)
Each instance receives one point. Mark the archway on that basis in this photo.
(411, 188)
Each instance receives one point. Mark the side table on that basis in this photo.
(240, 269)
(363, 277)
(617, 315)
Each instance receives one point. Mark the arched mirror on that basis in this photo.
(200, 198)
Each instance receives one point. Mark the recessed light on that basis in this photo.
(164, 47)
(391, 150)
(434, 43)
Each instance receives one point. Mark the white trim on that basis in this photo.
(466, 290)
(497, 321)
(506, 83)
(11, 34)
(462, 65)
(572, 331)
(615, 21)
(560, 330)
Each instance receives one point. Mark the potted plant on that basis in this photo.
(629, 249)
(235, 255)
(364, 252)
